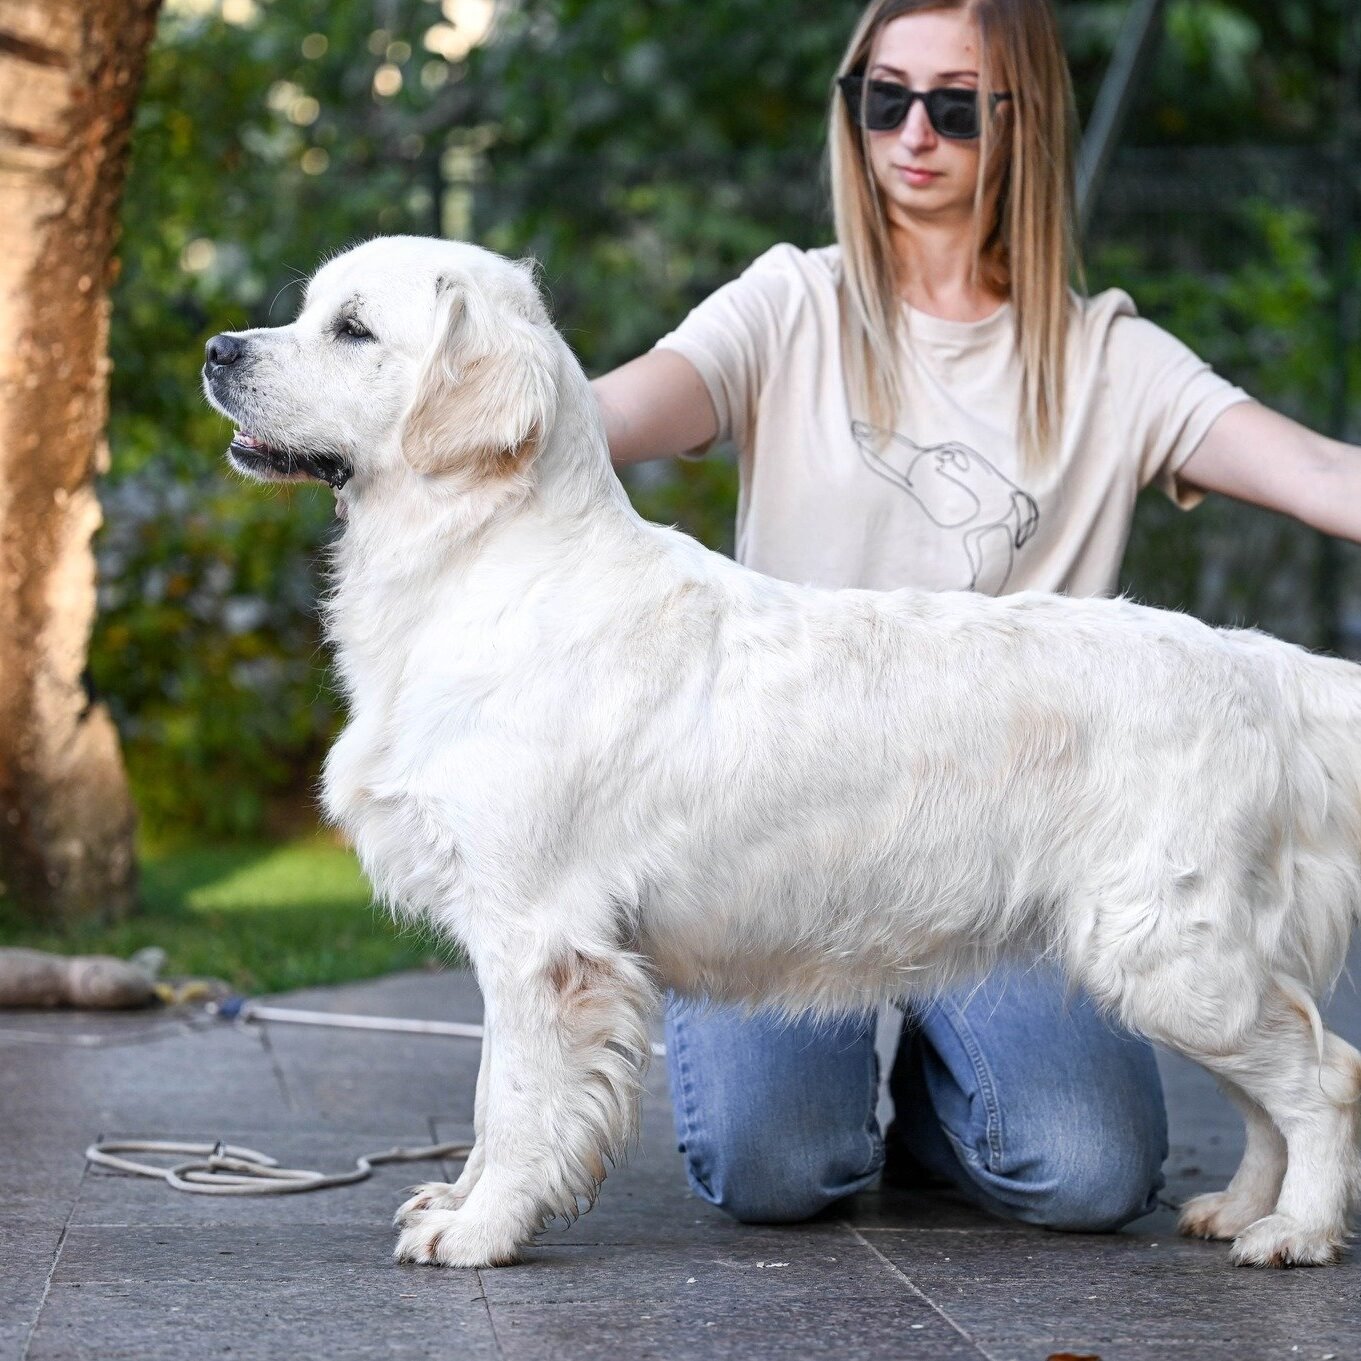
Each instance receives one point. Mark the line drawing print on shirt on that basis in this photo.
(985, 513)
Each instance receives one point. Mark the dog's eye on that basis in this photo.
(354, 329)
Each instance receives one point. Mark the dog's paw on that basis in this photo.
(1217, 1214)
(1278, 1240)
(439, 1237)
(433, 1195)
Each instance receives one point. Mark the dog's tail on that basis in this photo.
(1298, 994)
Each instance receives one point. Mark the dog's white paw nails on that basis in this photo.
(454, 1238)
(1277, 1240)
(1216, 1214)
(433, 1195)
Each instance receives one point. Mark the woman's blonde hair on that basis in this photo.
(1023, 220)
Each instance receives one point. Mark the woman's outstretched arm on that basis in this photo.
(655, 406)
(1255, 454)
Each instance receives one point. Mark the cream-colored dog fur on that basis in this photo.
(609, 762)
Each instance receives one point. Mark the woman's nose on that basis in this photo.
(917, 133)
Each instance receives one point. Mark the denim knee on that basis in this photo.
(1096, 1186)
(1033, 1106)
(779, 1185)
(775, 1117)
(1099, 1193)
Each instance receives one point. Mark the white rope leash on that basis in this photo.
(225, 1170)
(235, 1009)
(245, 1012)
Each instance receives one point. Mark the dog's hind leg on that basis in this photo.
(1274, 1059)
(1315, 1108)
(443, 1195)
(561, 1100)
(1256, 1185)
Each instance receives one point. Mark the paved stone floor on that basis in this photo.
(95, 1264)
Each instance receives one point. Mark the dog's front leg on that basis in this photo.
(561, 1098)
(443, 1195)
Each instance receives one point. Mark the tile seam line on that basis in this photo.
(432, 1122)
(52, 1270)
(275, 1067)
(491, 1317)
(927, 1228)
(917, 1291)
(573, 1301)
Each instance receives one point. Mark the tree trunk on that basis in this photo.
(69, 76)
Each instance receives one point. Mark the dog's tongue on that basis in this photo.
(246, 440)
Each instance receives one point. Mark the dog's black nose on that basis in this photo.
(223, 350)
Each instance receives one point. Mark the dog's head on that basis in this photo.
(410, 353)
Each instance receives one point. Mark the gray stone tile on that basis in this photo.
(118, 1198)
(13, 1339)
(27, 1245)
(40, 1178)
(679, 1329)
(27, 1251)
(751, 1266)
(889, 1207)
(396, 1317)
(343, 1093)
(1166, 1349)
(1135, 1286)
(227, 1253)
(645, 1211)
(202, 1074)
(344, 1074)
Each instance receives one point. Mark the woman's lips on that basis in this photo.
(917, 176)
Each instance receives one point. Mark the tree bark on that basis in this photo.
(69, 75)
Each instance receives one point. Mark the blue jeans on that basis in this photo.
(1021, 1097)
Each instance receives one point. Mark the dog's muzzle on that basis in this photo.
(250, 454)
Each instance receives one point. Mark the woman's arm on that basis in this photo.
(1257, 455)
(655, 406)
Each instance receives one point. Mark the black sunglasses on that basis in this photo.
(882, 105)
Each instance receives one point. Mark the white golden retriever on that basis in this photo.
(608, 762)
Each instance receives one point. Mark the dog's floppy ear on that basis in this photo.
(489, 389)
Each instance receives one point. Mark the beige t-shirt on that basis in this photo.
(939, 504)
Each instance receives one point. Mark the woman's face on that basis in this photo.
(920, 173)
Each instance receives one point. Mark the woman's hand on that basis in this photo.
(1257, 455)
(655, 406)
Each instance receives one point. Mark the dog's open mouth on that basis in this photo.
(251, 455)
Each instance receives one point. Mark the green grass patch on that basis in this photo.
(264, 917)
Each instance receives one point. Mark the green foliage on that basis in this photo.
(264, 918)
(1268, 323)
(1228, 71)
(207, 645)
